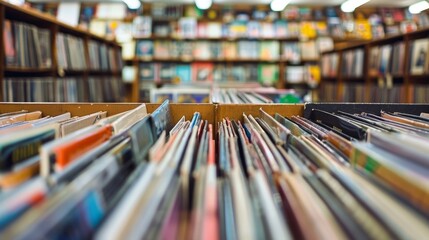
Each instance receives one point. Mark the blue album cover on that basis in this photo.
(183, 72)
(144, 48)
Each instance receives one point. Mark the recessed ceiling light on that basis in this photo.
(203, 4)
(416, 8)
(278, 5)
(351, 5)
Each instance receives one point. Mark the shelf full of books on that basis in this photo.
(394, 69)
(63, 89)
(284, 48)
(214, 171)
(167, 33)
(41, 53)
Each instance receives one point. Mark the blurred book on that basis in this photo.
(237, 29)
(214, 30)
(147, 72)
(295, 74)
(408, 26)
(291, 13)
(69, 13)
(309, 50)
(144, 49)
(324, 44)
(313, 75)
(129, 74)
(142, 26)
(308, 30)
(281, 29)
(128, 50)
(187, 27)
(292, 52)
(183, 73)
(268, 74)
(419, 56)
(363, 29)
(98, 27)
(28, 46)
(269, 50)
(111, 11)
(398, 58)
(329, 65)
(353, 61)
(202, 72)
(321, 28)
(253, 29)
(124, 32)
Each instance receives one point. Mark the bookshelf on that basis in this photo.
(164, 25)
(234, 41)
(390, 71)
(47, 60)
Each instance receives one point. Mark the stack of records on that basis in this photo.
(136, 175)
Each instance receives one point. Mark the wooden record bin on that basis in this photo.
(306, 172)
(213, 113)
(210, 112)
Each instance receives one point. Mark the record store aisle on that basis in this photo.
(161, 175)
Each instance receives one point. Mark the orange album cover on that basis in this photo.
(68, 152)
(12, 179)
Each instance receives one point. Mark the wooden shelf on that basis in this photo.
(186, 60)
(172, 38)
(422, 32)
(40, 19)
(384, 76)
(74, 72)
(329, 79)
(388, 39)
(302, 61)
(111, 42)
(97, 72)
(348, 39)
(353, 46)
(353, 79)
(421, 76)
(13, 12)
(28, 70)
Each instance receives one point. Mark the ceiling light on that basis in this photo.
(351, 5)
(278, 5)
(203, 4)
(416, 8)
(17, 2)
(132, 4)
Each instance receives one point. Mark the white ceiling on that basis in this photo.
(396, 3)
(381, 3)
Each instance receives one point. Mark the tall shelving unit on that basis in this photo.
(281, 63)
(401, 87)
(55, 71)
